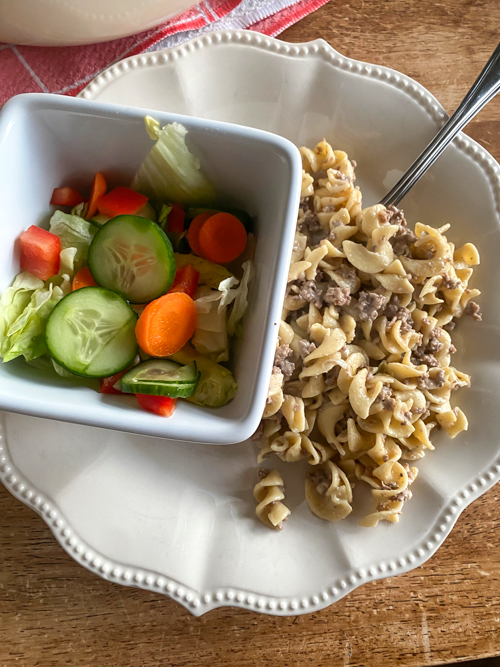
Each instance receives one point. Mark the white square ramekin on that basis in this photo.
(47, 141)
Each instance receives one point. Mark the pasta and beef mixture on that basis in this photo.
(363, 372)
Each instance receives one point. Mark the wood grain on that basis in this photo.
(53, 612)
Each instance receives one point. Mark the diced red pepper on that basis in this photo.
(186, 280)
(40, 251)
(107, 385)
(121, 201)
(98, 190)
(175, 219)
(160, 405)
(66, 197)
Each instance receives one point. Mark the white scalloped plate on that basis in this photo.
(178, 518)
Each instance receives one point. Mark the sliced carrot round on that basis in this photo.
(166, 324)
(222, 238)
(83, 279)
(194, 231)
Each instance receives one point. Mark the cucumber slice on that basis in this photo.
(99, 220)
(133, 257)
(148, 211)
(91, 332)
(160, 377)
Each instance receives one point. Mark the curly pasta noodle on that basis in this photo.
(269, 492)
(363, 367)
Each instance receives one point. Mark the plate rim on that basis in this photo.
(200, 602)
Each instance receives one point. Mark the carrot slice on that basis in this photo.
(98, 189)
(83, 279)
(166, 324)
(222, 238)
(194, 231)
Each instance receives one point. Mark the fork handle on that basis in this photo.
(486, 86)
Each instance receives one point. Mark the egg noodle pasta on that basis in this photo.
(363, 368)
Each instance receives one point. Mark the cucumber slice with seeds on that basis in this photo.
(133, 257)
(91, 332)
(99, 220)
(160, 377)
(148, 211)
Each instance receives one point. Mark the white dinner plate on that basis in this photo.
(178, 518)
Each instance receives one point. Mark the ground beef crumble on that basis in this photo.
(282, 363)
(321, 480)
(434, 344)
(449, 283)
(423, 413)
(403, 496)
(331, 376)
(472, 309)
(369, 303)
(305, 348)
(338, 296)
(404, 237)
(313, 292)
(393, 311)
(434, 382)
(386, 398)
(419, 355)
(310, 222)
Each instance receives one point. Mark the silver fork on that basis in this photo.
(486, 86)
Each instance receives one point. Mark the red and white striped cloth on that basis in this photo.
(66, 70)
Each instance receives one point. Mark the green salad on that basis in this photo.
(140, 287)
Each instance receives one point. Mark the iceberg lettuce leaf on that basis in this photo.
(210, 336)
(26, 334)
(25, 308)
(13, 302)
(74, 232)
(68, 257)
(219, 313)
(170, 172)
(238, 296)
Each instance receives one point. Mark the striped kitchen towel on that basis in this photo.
(67, 70)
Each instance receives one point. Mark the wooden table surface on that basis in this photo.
(53, 612)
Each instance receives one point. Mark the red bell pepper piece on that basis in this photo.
(160, 405)
(175, 219)
(186, 280)
(40, 251)
(121, 201)
(66, 197)
(107, 385)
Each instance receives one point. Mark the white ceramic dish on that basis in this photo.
(50, 140)
(179, 519)
(71, 22)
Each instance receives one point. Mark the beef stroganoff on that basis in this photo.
(363, 369)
